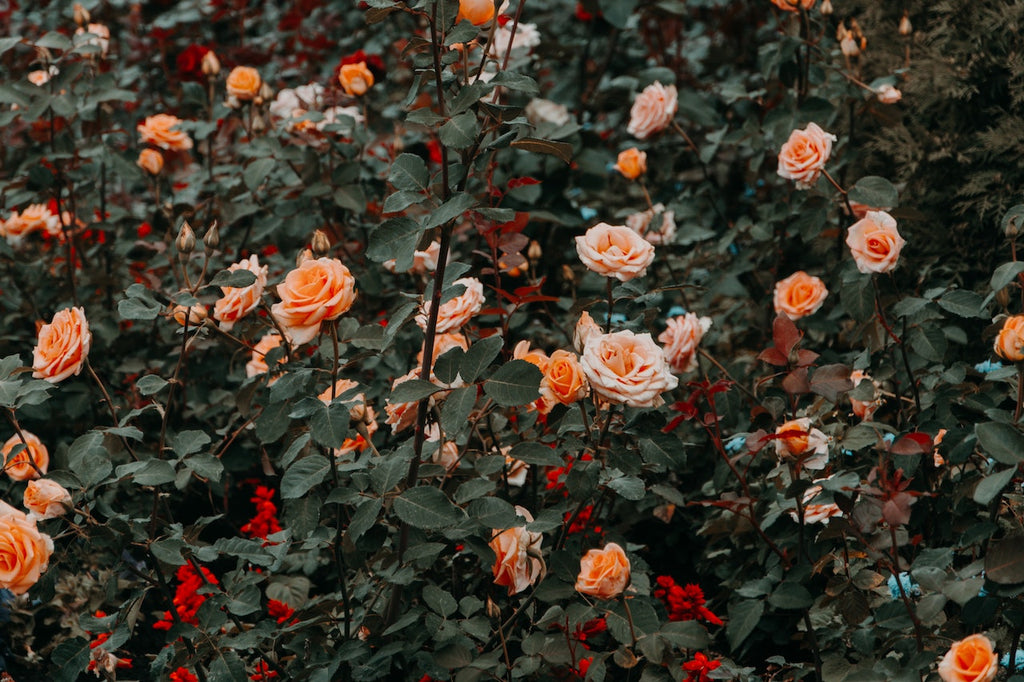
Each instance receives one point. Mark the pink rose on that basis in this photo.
(615, 251)
(875, 242)
(681, 339)
(517, 562)
(237, 302)
(804, 154)
(458, 311)
(652, 110)
(627, 368)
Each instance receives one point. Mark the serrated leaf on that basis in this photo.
(1001, 441)
(395, 238)
(743, 618)
(617, 12)
(409, 172)
(150, 384)
(187, 442)
(479, 357)
(516, 81)
(256, 172)
(493, 512)
(517, 382)
(628, 487)
(427, 507)
(460, 131)
(538, 454)
(439, 601)
(329, 425)
(1004, 561)
(364, 518)
(963, 303)
(458, 405)
(686, 634)
(830, 381)
(929, 342)
(875, 192)
(451, 209)
(302, 475)
(789, 595)
(238, 279)
(413, 390)
(1006, 273)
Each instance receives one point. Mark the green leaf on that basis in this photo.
(273, 422)
(89, 458)
(205, 466)
(446, 367)
(389, 471)
(409, 172)
(8, 43)
(929, 342)
(516, 81)
(303, 475)
(350, 197)
(538, 454)
(562, 150)
(70, 658)
(1006, 273)
(451, 209)
(150, 384)
(395, 238)
(169, 551)
(413, 390)
(515, 383)
(364, 518)
(138, 304)
(439, 601)
(628, 487)
(1001, 441)
(493, 512)
(686, 634)
(239, 279)
(148, 472)
(645, 619)
(329, 425)
(963, 303)
(256, 172)
(427, 507)
(990, 486)
(460, 131)
(226, 667)
(617, 12)
(1004, 561)
(875, 192)
(187, 442)
(479, 357)
(743, 618)
(789, 595)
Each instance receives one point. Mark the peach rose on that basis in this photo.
(797, 440)
(101, 37)
(680, 340)
(442, 344)
(887, 94)
(632, 163)
(401, 415)
(30, 462)
(804, 155)
(515, 469)
(615, 251)
(35, 217)
(237, 302)
(476, 12)
(258, 364)
(604, 573)
(653, 110)
(458, 311)
(641, 224)
(970, 660)
(563, 381)
(875, 242)
(627, 368)
(196, 314)
(319, 289)
(355, 79)
(1009, 343)
(24, 551)
(359, 412)
(151, 161)
(816, 512)
(517, 562)
(793, 5)
(244, 83)
(585, 329)
(159, 130)
(799, 295)
(62, 346)
(534, 356)
(864, 409)
(423, 262)
(46, 499)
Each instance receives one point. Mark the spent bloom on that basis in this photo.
(517, 556)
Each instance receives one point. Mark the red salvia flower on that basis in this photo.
(683, 603)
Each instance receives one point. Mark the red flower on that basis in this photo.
(183, 675)
(699, 668)
(190, 62)
(263, 672)
(265, 521)
(187, 599)
(683, 603)
(279, 610)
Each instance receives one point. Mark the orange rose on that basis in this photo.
(358, 412)
(476, 12)
(875, 242)
(534, 356)
(151, 161)
(1010, 340)
(615, 251)
(864, 409)
(20, 466)
(680, 340)
(793, 5)
(244, 83)
(35, 217)
(627, 368)
(458, 311)
(401, 415)
(816, 512)
(319, 289)
(563, 381)
(46, 499)
(799, 295)
(24, 551)
(604, 573)
(237, 302)
(632, 163)
(517, 563)
(159, 130)
(62, 347)
(442, 344)
(798, 440)
(258, 364)
(970, 660)
(356, 78)
(804, 155)
(653, 110)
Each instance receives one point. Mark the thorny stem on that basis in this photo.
(110, 406)
(629, 619)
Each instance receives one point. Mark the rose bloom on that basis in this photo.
(151, 161)
(442, 344)
(237, 302)
(585, 329)
(653, 110)
(244, 83)
(615, 251)
(799, 295)
(970, 660)
(526, 38)
(804, 155)
(632, 163)
(476, 12)
(641, 224)
(545, 111)
(358, 412)
(887, 94)
(401, 415)
(1009, 343)
(875, 242)
(157, 130)
(33, 218)
(563, 381)
(534, 356)
(792, 5)
(515, 469)
(516, 564)
(864, 409)
(101, 39)
(42, 76)
(24, 551)
(196, 314)
(627, 368)
(422, 261)
(46, 499)
(355, 79)
(604, 573)
(458, 311)
(816, 512)
(302, 98)
(20, 466)
(680, 340)
(319, 289)
(62, 346)
(258, 364)
(797, 440)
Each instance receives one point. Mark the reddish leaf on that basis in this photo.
(785, 334)
(773, 357)
(805, 357)
(916, 443)
(829, 381)
(796, 382)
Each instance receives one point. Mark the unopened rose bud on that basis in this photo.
(841, 32)
(210, 64)
(906, 28)
(849, 45)
(320, 244)
(358, 413)
(258, 124)
(81, 14)
(303, 256)
(567, 274)
(1012, 229)
(196, 314)
(363, 633)
(534, 252)
(492, 609)
(1003, 297)
(826, 8)
(266, 92)
(211, 240)
(186, 241)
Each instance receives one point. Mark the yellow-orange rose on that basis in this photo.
(24, 551)
(615, 251)
(319, 289)
(875, 242)
(237, 302)
(793, 5)
(151, 161)
(632, 163)
(244, 83)
(970, 660)
(627, 368)
(62, 347)
(517, 564)
(356, 78)
(46, 499)
(30, 462)
(476, 12)
(653, 110)
(1009, 343)
(158, 130)
(604, 573)
(564, 381)
(681, 338)
(804, 155)
(458, 311)
(799, 295)
(258, 363)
